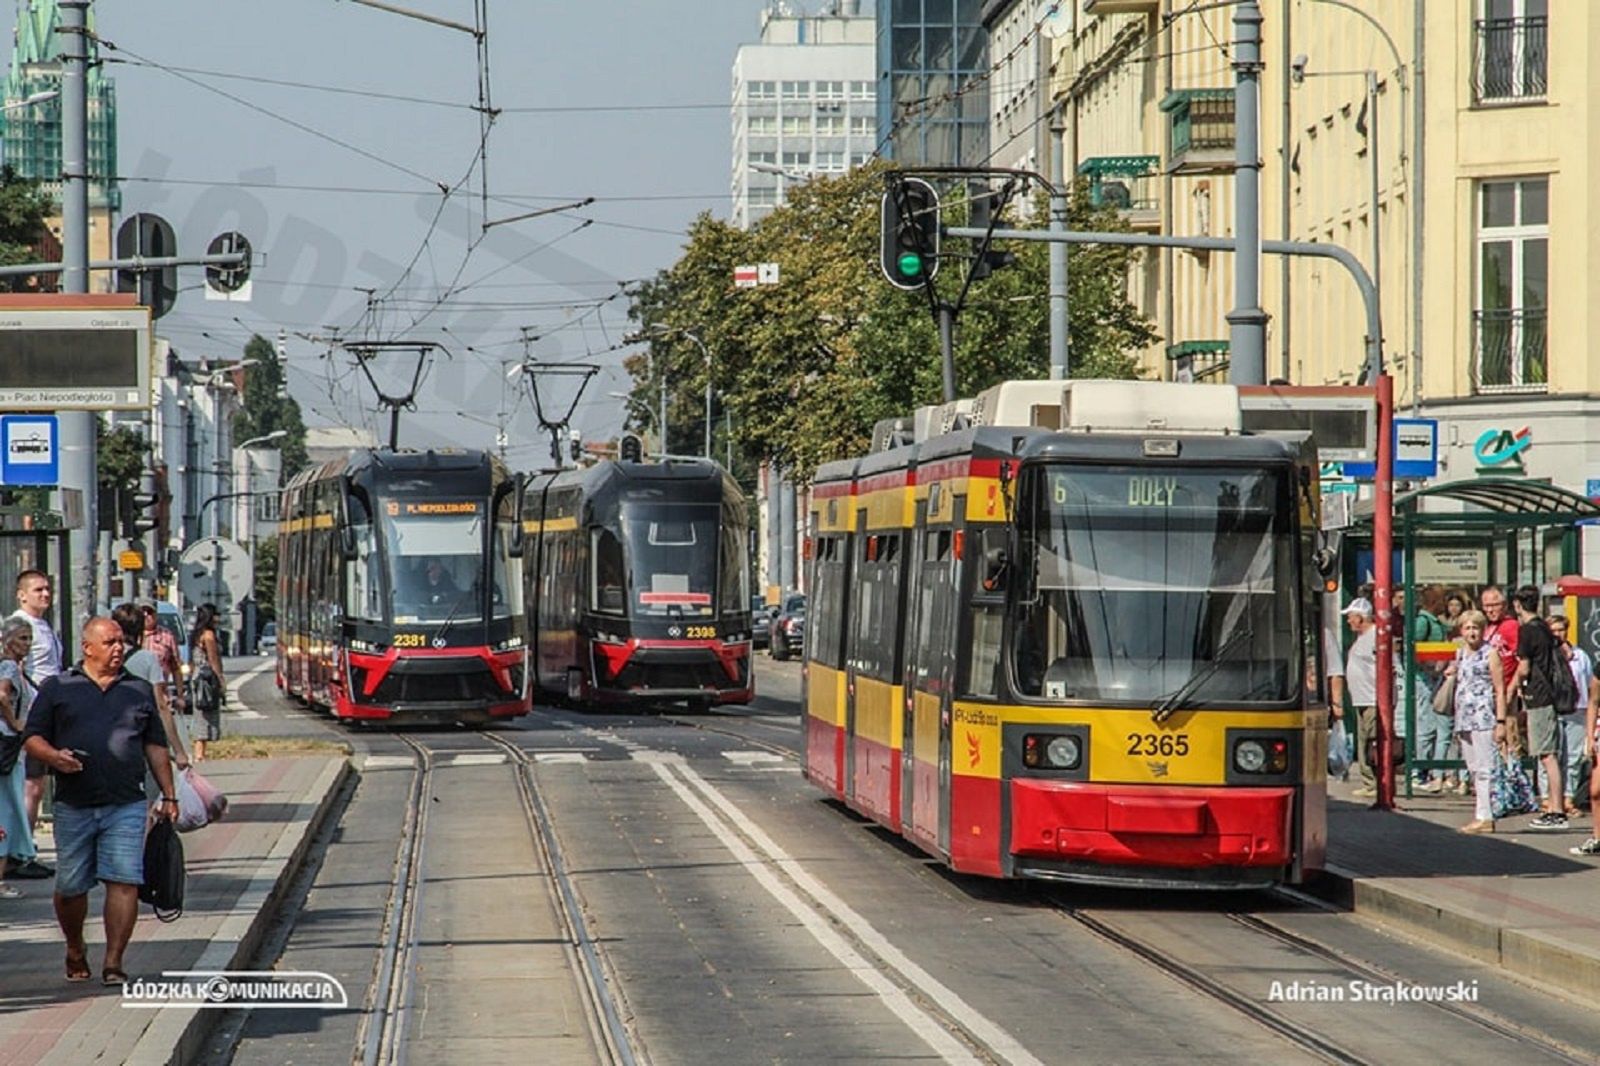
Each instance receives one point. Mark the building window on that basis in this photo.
(830, 90)
(767, 158)
(763, 125)
(863, 90)
(1510, 51)
(830, 160)
(797, 125)
(862, 125)
(796, 90)
(1509, 350)
(796, 159)
(763, 197)
(830, 125)
(762, 90)
(860, 159)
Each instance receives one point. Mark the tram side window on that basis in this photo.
(825, 626)
(877, 617)
(507, 564)
(733, 587)
(607, 581)
(933, 613)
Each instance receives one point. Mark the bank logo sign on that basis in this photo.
(1499, 451)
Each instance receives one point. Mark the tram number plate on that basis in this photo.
(410, 640)
(700, 632)
(1167, 744)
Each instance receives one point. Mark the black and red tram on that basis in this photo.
(639, 584)
(400, 588)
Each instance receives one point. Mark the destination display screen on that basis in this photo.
(69, 358)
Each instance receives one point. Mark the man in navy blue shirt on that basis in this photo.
(96, 726)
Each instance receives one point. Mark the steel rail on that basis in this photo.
(602, 999)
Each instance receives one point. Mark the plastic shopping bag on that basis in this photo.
(199, 801)
(1338, 750)
(1510, 791)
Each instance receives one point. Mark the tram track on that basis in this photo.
(1296, 1033)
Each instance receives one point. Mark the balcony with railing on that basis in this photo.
(1510, 351)
(1200, 131)
(1198, 360)
(1121, 7)
(1510, 60)
(1130, 183)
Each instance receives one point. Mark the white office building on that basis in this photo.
(803, 103)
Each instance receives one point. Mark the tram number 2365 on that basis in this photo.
(1158, 744)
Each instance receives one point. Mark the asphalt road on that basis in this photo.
(741, 917)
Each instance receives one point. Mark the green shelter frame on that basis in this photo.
(1529, 528)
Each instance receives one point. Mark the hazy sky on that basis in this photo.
(635, 113)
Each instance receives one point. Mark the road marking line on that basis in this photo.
(919, 1021)
(254, 671)
(559, 756)
(746, 758)
(387, 762)
(651, 756)
(997, 1039)
(477, 758)
(785, 769)
(246, 713)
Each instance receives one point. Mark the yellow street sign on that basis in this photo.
(131, 560)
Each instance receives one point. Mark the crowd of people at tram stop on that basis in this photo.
(106, 731)
(1496, 698)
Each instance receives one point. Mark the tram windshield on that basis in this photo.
(671, 558)
(1140, 582)
(435, 551)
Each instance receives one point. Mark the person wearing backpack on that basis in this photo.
(1571, 724)
(1544, 681)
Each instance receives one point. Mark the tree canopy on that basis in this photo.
(23, 209)
(267, 406)
(805, 367)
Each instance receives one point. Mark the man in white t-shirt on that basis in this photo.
(34, 596)
(1571, 727)
(1361, 682)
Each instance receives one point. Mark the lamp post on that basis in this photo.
(706, 354)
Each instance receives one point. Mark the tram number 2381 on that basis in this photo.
(1158, 744)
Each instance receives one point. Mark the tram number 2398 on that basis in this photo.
(1158, 744)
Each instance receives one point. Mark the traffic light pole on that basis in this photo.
(153, 262)
(77, 428)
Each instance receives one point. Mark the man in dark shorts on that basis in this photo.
(97, 727)
(1535, 648)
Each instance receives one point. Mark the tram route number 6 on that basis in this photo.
(1158, 744)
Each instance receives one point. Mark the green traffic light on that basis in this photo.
(910, 264)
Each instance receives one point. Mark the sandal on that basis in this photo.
(78, 967)
(111, 976)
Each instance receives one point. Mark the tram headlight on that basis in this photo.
(1048, 752)
(1249, 756)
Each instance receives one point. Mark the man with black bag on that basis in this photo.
(96, 727)
(1544, 681)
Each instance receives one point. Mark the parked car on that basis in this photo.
(267, 642)
(760, 622)
(788, 631)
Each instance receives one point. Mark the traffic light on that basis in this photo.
(909, 220)
(630, 449)
(984, 205)
(141, 512)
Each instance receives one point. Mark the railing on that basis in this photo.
(1510, 59)
(1128, 182)
(1510, 351)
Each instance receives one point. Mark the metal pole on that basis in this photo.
(1416, 186)
(77, 428)
(707, 353)
(1060, 343)
(1374, 177)
(1285, 185)
(1247, 322)
(947, 348)
(1383, 580)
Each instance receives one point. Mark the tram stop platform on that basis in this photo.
(238, 868)
(1517, 899)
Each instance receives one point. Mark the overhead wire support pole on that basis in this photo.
(1247, 322)
(77, 428)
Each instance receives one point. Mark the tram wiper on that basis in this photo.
(450, 619)
(1169, 704)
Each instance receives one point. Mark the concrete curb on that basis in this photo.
(175, 1037)
(1530, 954)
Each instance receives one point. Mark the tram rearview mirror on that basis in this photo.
(996, 567)
(1326, 557)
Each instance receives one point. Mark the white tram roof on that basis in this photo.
(1105, 406)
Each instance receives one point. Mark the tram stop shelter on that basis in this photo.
(1465, 534)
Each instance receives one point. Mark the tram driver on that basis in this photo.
(436, 585)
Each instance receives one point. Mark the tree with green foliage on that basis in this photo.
(267, 406)
(807, 366)
(23, 210)
(121, 453)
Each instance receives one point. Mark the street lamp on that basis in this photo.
(29, 101)
(705, 353)
(277, 434)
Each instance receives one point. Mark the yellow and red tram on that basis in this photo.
(1076, 639)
